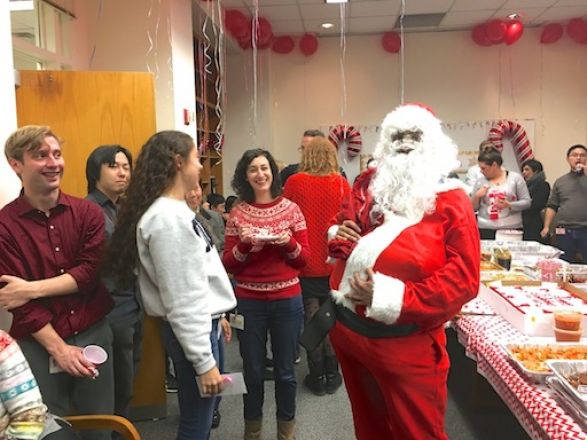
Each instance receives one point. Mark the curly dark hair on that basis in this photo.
(239, 183)
(154, 172)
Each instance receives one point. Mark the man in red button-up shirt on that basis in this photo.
(50, 250)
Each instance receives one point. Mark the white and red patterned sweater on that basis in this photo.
(266, 271)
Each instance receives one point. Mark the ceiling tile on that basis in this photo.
(284, 12)
(528, 3)
(428, 6)
(314, 26)
(374, 8)
(527, 14)
(464, 19)
(330, 12)
(562, 14)
(570, 3)
(281, 27)
(372, 25)
(476, 5)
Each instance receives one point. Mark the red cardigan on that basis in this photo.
(319, 198)
(266, 272)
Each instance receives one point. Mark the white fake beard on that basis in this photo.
(405, 184)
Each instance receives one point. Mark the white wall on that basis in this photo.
(142, 36)
(9, 183)
(460, 80)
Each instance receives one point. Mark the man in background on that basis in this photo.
(216, 203)
(108, 171)
(568, 202)
(292, 169)
(50, 249)
(211, 219)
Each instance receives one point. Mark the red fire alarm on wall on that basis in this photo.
(188, 116)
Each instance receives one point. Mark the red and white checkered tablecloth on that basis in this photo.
(533, 405)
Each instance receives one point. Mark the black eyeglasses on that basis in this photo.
(201, 232)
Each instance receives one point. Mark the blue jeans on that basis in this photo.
(195, 412)
(573, 241)
(283, 319)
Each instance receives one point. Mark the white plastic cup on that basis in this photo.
(95, 354)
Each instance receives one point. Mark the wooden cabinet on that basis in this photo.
(208, 116)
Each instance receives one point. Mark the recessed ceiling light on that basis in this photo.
(327, 25)
(336, 1)
(514, 16)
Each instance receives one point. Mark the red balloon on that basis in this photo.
(577, 30)
(283, 45)
(236, 22)
(309, 44)
(496, 30)
(514, 32)
(479, 35)
(391, 42)
(245, 42)
(551, 33)
(264, 33)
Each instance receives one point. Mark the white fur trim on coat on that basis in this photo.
(366, 252)
(388, 298)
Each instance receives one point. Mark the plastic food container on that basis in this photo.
(567, 335)
(567, 372)
(568, 320)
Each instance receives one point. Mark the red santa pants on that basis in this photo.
(397, 386)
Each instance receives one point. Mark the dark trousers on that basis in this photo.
(127, 332)
(573, 241)
(67, 395)
(283, 320)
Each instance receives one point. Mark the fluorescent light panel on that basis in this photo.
(336, 1)
(21, 5)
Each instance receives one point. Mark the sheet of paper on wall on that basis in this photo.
(234, 384)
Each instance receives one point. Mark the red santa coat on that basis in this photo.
(424, 272)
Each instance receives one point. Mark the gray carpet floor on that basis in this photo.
(474, 411)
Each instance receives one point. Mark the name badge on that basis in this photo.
(236, 320)
(54, 367)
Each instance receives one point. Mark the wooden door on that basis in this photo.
(87, 109)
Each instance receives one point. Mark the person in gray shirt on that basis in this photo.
(108, 171)
(568, 202)
(499, 196)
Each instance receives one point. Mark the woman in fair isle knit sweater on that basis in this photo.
(318, 189)
(266, 244)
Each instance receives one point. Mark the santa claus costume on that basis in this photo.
(423, 250)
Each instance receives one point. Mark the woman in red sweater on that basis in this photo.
(266, 244)
(318, 189)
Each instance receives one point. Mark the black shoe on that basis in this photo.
(171, 384)
(333, 382)
(216, 419)
(315, 384)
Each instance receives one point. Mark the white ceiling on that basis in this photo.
(377, 16)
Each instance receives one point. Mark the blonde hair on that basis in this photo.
(319, 157)
(27, 138)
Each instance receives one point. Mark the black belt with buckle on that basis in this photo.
(370, 328)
